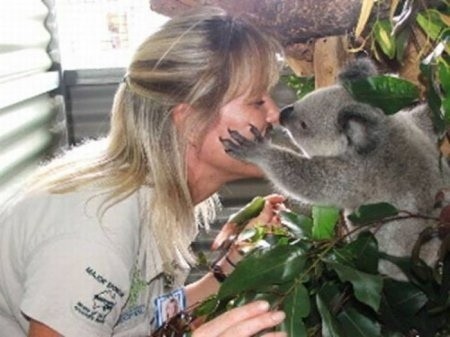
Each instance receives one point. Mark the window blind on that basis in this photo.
(29, 104)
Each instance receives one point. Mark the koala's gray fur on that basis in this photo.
(353, 154)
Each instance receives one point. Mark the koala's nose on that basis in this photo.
(286, 113)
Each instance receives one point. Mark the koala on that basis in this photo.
(351, 153)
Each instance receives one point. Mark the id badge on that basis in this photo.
(168, 305)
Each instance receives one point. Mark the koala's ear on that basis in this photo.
(362, 125)
(357, 69)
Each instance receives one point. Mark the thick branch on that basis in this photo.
(291, 20)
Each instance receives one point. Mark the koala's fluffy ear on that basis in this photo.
(357, 69)
(362, 125)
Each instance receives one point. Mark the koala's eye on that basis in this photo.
(303, 125)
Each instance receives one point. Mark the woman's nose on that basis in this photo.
(273, 112)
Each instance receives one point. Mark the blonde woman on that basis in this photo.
(105, 229)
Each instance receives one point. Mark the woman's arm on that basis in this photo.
(208, 285)
(37, 329)
(251, 318)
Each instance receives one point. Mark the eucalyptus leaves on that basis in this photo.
(330, 286)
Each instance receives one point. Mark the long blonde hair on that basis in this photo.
(204, 58)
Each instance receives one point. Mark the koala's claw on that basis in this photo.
(229, 145)
(254, 130)
(237, 137)
(243, 148)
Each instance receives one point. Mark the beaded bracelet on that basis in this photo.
(231, 263)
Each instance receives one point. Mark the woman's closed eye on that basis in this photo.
(259, 103)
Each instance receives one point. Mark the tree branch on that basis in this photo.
(292, 21)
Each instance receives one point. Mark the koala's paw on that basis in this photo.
(243, 148)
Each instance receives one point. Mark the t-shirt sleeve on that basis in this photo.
(75, 286)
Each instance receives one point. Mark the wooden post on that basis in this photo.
(330, 54)
(299, 57)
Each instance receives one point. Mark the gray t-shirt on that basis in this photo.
(62, 266)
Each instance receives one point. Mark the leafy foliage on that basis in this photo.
(301, 85)
(389, 93)
(329, 286)
(370, 213)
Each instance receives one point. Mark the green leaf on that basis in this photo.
(299, 225)
(366, 287)
(427, 68)
(363, 253)
(401, 42)
(403, 297)
(431, 23)
(251, 296)
(294, 326)
(444, 77)
(271, 294)
(366, 214)
(393, 318)
(248, 212)
(388, 93)
(206, 307)
(392, 334)
(445, 280)
(446, 109)
(389, 317)
(298, 303)
(406, 265)
(444, 80)
(324, 222)
(356, 324)
(277, 265)
(330, 325)
(384, 38)
(330, 291)
(296, 306)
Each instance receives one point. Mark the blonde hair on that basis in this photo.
(204, 58)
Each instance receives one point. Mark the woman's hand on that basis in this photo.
(269, 215)
(244, 321)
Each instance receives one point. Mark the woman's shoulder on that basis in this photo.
(75, 206)
(79, 215)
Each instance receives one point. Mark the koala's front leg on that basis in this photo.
(241, 148)
(312, 180)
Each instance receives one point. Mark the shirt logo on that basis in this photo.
(103, 302)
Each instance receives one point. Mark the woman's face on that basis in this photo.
(237, 115)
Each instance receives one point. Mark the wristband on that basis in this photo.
(218, 273)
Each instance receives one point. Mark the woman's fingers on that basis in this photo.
(273, 204)
(241, 322)
(254, 325)
(269, 213)
(227, 230)
(275, 198)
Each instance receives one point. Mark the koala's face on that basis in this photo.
(313, 121)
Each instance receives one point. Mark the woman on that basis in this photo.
(106, 228)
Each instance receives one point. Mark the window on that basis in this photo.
(103, 33)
